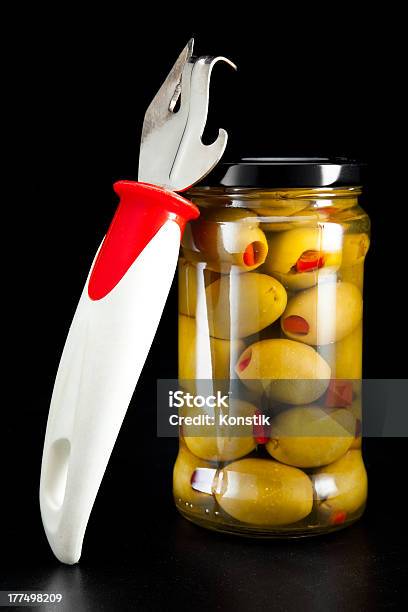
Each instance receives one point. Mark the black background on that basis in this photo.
(324, 82)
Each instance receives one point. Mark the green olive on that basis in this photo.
(294, 281)
(184, 468)
(280, 207)
(342, 485)
(242, 304)
(204, 357)
(228, 240)
(288, 249)
(288, 371)
(308, 436)
(262, 492)
(345, 356)
(355, 247)
(353, 274)
(323, 314)
(272, 210)
(217, 441)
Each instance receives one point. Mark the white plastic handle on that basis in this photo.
(104, 353)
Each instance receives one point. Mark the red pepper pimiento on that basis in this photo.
(245, 362)
(337, 518)
(261, 433)
(339, 394)
(329, 210)
(296, 325)
(254, 254)
(250, 255)
(309, 260)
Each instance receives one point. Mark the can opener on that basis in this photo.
(120, 306)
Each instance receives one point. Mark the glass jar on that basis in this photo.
(270, 325)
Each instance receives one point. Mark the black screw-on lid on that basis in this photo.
(281, 172)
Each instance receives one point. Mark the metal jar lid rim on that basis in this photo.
(283, 172)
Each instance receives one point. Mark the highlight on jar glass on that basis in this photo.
(271, 314)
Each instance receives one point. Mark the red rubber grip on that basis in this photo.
(143, 209)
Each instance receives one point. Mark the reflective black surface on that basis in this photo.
(140, 554)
